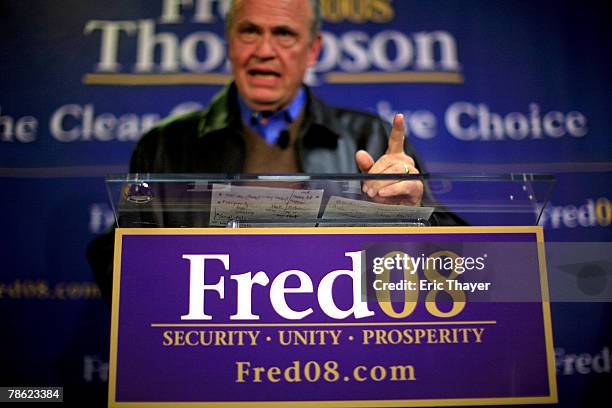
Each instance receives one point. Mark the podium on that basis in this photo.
(304, 291)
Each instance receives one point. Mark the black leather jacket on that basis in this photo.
(211, 141)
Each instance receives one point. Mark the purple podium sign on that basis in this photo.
(338, 317)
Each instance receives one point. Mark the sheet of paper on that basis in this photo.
(256, 203)
(340, 208)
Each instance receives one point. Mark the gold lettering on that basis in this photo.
(367, 335)
(299, 338)
(431, 336)
(273, 373)
(422, 336)
(410, 296)
(220, 338)
(258, 371)
(205, 338)
(603, 211)
(179, 338)
(378, 373)
(253, 335)
(309, 337)
(381, 11)
(167, 338)
(335, 336)
(398, 373)
(243, 370)
(292, 374)
(282, 340)
(478, 333)
(408, 336)
(380, 337)
(357, 375)
(188, 338)
(357, 11)
(444, 336)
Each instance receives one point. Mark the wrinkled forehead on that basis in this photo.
(273, 12)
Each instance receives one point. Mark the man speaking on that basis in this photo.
(268, 121)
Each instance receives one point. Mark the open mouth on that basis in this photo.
(263, 73)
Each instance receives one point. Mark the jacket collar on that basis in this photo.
(224, 112)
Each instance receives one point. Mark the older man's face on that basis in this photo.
(270, 47)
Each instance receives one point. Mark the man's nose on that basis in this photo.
(265, 47)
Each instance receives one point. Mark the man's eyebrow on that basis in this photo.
(283, 27)
(247, 24)
(250, 24)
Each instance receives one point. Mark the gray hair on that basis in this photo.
(315, 26)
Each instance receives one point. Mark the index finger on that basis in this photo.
(395, 144)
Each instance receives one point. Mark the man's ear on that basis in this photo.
(315, 49)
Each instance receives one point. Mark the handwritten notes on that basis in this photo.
(244, 203)
(247, 204)
(340, 208)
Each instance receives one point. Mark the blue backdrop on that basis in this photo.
(487, 86)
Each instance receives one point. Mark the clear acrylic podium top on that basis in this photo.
(307, 200)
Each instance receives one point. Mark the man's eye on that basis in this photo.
(285, 33)
(248, 34)
(285, 38)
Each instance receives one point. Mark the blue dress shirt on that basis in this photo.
(269, 125)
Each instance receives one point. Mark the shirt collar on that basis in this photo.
(224, 113)
(289, 113)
